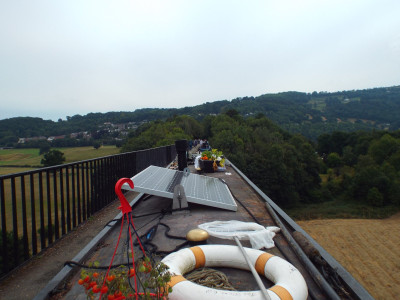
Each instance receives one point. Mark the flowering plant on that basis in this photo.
(214, 155)
(153, 279)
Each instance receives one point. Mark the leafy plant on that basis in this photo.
(153, 280)
(214, 155)
(52, 158)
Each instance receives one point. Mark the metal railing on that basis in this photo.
(40, 206)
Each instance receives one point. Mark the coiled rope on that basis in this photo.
(210, 278)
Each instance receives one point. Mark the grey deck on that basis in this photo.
(198, 188)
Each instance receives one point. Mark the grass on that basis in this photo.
(12, 170)
(20, 160)
(340, 209)
(84, 153)
(19, 157)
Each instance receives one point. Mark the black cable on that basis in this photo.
(240, 202)
(144, 225)
(139, 216)
(164, 253)
(72, 263)
(163, 211)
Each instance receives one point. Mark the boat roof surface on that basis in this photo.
(149, 210)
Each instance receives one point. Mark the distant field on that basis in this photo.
(20, 160)
(368, 249)
(19, 157)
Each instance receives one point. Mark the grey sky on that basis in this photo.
(61, 58)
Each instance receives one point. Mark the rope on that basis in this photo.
(210, 278)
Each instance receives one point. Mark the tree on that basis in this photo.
(333, 160)
(383, 148)
(96, 145)
(53, 158)
(374, 197)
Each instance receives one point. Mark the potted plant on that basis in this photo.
(152, 278)
(210, 161)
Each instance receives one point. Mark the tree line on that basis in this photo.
(310, 114)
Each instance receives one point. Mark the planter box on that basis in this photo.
(206, 165)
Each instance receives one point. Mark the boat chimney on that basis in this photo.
(181, 147)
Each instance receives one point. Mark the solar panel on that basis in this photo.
(198, 188)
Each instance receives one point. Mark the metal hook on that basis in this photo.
(125, 207)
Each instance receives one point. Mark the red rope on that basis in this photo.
(133, 256)
(115, 251)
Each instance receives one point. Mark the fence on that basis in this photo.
(38, 207)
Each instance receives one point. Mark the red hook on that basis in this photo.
(125, 207)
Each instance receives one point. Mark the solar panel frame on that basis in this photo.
(199, 189)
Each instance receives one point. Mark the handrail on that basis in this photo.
(38, 207)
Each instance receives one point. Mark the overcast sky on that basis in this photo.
(61, 58)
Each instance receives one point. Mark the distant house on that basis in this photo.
(52, 138)
(30, 139)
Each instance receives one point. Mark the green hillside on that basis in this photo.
(310, 114)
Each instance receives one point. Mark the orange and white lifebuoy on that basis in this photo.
(289, 283)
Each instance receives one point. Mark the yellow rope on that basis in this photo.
(210, 278)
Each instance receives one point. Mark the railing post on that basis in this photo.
(78, 195)
(68, 199)
(84, 213)
(4, 248)
(88, 202)
(41, 201)
(24, 219)
(55, 193)
(73, 197)
(49, 216)
(62, 202)
(15, 223)
(33, 215)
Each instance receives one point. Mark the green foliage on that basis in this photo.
(367, 170)
(333, 160)
(96, 145)
(374, 197)
(340, 208)
(384, 148)
(53, 158)
(284, 166)
(156, 134)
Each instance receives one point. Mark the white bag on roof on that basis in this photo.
(259, 236)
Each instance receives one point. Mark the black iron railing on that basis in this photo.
(38, 207)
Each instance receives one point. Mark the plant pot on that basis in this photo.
(206, 165)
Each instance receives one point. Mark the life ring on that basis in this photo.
(289, 283)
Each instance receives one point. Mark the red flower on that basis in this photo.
(131, 272)
(104, 289)
(96, 289)
(111, 277)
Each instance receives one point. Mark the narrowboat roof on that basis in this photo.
(325, 277)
